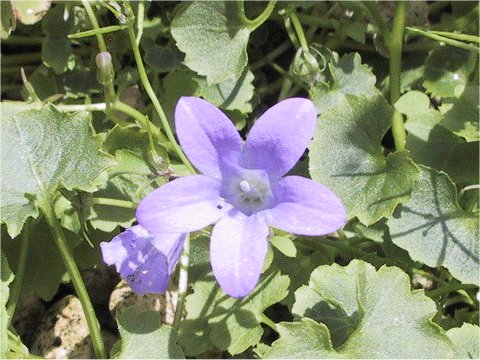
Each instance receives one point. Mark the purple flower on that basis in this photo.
(145, 261)
(243, 190)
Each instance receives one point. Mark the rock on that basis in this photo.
(28, 314)
(100, 281)
(123, 297)
(63, 332)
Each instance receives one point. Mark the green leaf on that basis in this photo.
(447, 70)
(143, 336)
(45, 269)
(461, 114)
(435, 230)
(214, 38)
(7, 19)
(56, 51)
(285, 245)
(361, 317)
(215, 319)
(162, 59)
(465, 341)
(30, 12)
(131, 179)
(346, 155)
(56, 47)
(6, 278)
(413, 102)
(432, 145)
(348, 77)
(231, 94)
(42, 151)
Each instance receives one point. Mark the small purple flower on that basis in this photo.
(243, 190)
(144, 261)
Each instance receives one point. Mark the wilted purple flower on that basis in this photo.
(242, 190)
(144, 261)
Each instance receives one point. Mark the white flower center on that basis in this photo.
(249, 191)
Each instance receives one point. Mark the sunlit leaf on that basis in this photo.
(346, 155)
(213, 37)
(350, 312)
(215, 319)
(435, 230)
(143, 336)
(42, 151)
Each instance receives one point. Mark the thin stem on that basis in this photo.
(299, 31)
(69, 261)
(81, 107)
(267, 321)
(271, 55)
(260, 19)
(93, 19)
(141, 119)
(395, 68)
(371, 6)
(182, 283)
(140, 18)
(114, 202)
(19, 274)
(446, 40)
(97, 31)
(155, 102)
(317, 21)
(445, 289)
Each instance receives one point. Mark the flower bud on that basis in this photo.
(105, 73)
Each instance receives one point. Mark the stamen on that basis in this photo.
(245, 186)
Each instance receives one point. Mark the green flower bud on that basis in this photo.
(105, 73)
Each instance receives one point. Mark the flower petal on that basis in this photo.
(208, 137)
(171, 246)
(237, 252)
(280, 136)
(305, 207)
(143, 267)
(186, 204)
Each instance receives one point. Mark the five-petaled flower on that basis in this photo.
(243, 189)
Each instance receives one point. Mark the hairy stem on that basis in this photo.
(19, 274)
(395, 47)
(182, 283)
(69, 261)
(158, 108)
(114, 202)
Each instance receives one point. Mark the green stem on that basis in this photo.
(93, 19)
(445, 289)
(69, 261)
(267, 321)
(114, 202)
(271, 55)
(19, 274)
(395, 67)
(140, 19)
(446, 40)
(81, 107)
(155, 102)
(260, 19)
(371, 6)
(317, 21)
(299, 31)
(141, 119)
(182, 283)
(97, 32)
(110, 95)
